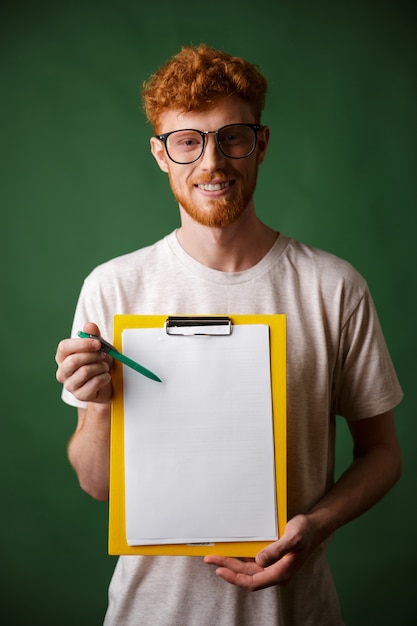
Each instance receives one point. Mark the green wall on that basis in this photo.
(79, 186)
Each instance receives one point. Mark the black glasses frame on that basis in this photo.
(204, 133)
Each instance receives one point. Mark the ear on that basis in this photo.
(263, 140)
(158, 151)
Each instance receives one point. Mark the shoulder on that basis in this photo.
(128, 266)
(320, 267)
(322, 282)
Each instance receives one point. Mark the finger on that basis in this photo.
(251, 582)
(82, 375)
(278, 574)
(76, 360)
(97, 389)
(238, 579)
(238, 566)
(67, 347)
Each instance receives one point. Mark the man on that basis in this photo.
(221, 260)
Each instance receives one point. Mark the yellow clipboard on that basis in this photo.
(117, 542)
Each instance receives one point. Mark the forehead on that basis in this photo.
(225, 111)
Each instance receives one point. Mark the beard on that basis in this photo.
(219, 212)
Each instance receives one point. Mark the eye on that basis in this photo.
(233, 136)
(229, 137)
(185, 140)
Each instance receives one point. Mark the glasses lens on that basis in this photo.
(237, 141)
(184, 146)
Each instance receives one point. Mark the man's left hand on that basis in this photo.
(275, 564)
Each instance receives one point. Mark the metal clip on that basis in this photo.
(200, 325)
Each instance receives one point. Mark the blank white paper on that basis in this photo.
(199, 448)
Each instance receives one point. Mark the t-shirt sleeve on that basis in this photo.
(367, 384)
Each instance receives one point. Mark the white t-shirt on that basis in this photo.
(337, 364)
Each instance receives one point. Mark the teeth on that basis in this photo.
(216, 187)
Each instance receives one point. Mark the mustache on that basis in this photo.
(218, 176)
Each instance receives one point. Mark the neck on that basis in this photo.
(234, 248)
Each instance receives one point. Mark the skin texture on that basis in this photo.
(220, 229)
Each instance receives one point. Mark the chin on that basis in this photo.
(220, 213)
(215, 219)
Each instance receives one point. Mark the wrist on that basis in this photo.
(99, 412)
(323, 522)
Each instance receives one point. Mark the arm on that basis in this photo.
(84, 370)
(375, 469)
(89, 450)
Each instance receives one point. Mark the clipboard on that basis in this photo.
(179, 325)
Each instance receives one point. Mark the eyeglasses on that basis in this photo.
(235, 141)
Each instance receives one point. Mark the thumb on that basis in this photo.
(91, 329)
(272, 553)
(296, 538)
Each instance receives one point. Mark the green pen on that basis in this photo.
(111, 350)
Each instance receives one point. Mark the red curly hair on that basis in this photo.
(196, 77)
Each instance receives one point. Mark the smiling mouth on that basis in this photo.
(215, 186)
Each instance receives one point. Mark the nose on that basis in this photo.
(212, 155)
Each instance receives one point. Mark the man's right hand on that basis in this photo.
(84, 369)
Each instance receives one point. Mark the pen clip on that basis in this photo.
(105, 345)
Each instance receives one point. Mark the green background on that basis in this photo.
(79, 186)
